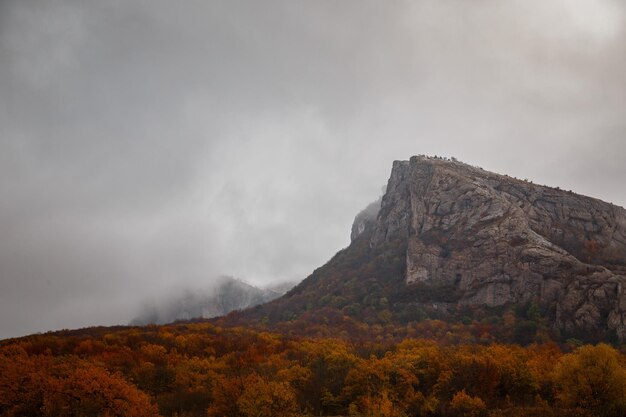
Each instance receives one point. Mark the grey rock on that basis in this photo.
(365, 219)
(500, 240)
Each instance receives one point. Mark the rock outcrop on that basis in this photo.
(454, 242)
(366, 219)
(495, 240)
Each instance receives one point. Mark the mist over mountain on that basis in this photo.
(152, 151)
(147, 143)
(226, 294)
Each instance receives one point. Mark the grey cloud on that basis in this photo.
(146, 145)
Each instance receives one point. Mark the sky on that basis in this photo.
(153, 145)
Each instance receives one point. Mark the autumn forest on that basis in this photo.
(204, 369)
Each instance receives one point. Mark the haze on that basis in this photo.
(151, 145)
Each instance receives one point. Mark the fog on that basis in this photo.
(151, 145)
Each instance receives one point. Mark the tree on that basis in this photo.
(226, 392)
(376, 405)
(467, 406)
(39, 385)
(262, 398)
(22, 382)
(84, 389)
(591, 378)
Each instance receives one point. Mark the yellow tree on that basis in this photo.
(262, 398)
(467, 406)
(591, 378)
(376, 405)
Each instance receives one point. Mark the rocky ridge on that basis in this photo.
(449, 241)
(494, 240)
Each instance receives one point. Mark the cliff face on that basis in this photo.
(493, 240)
(450, 241)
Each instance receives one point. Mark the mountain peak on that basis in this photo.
(448, 235)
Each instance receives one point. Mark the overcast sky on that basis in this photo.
(146, 145)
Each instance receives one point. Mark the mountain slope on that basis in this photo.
(452, 238)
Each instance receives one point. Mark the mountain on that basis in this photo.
(448, 240)
(409, 319)
(227, 294)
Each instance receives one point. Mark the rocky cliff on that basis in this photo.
(495, 240)
(449, 241)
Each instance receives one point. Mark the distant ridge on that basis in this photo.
(225, 295)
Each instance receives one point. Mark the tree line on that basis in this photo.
(203, 369)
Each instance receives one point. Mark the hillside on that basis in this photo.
(200, 370)
(415, 317)
(453, 241)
